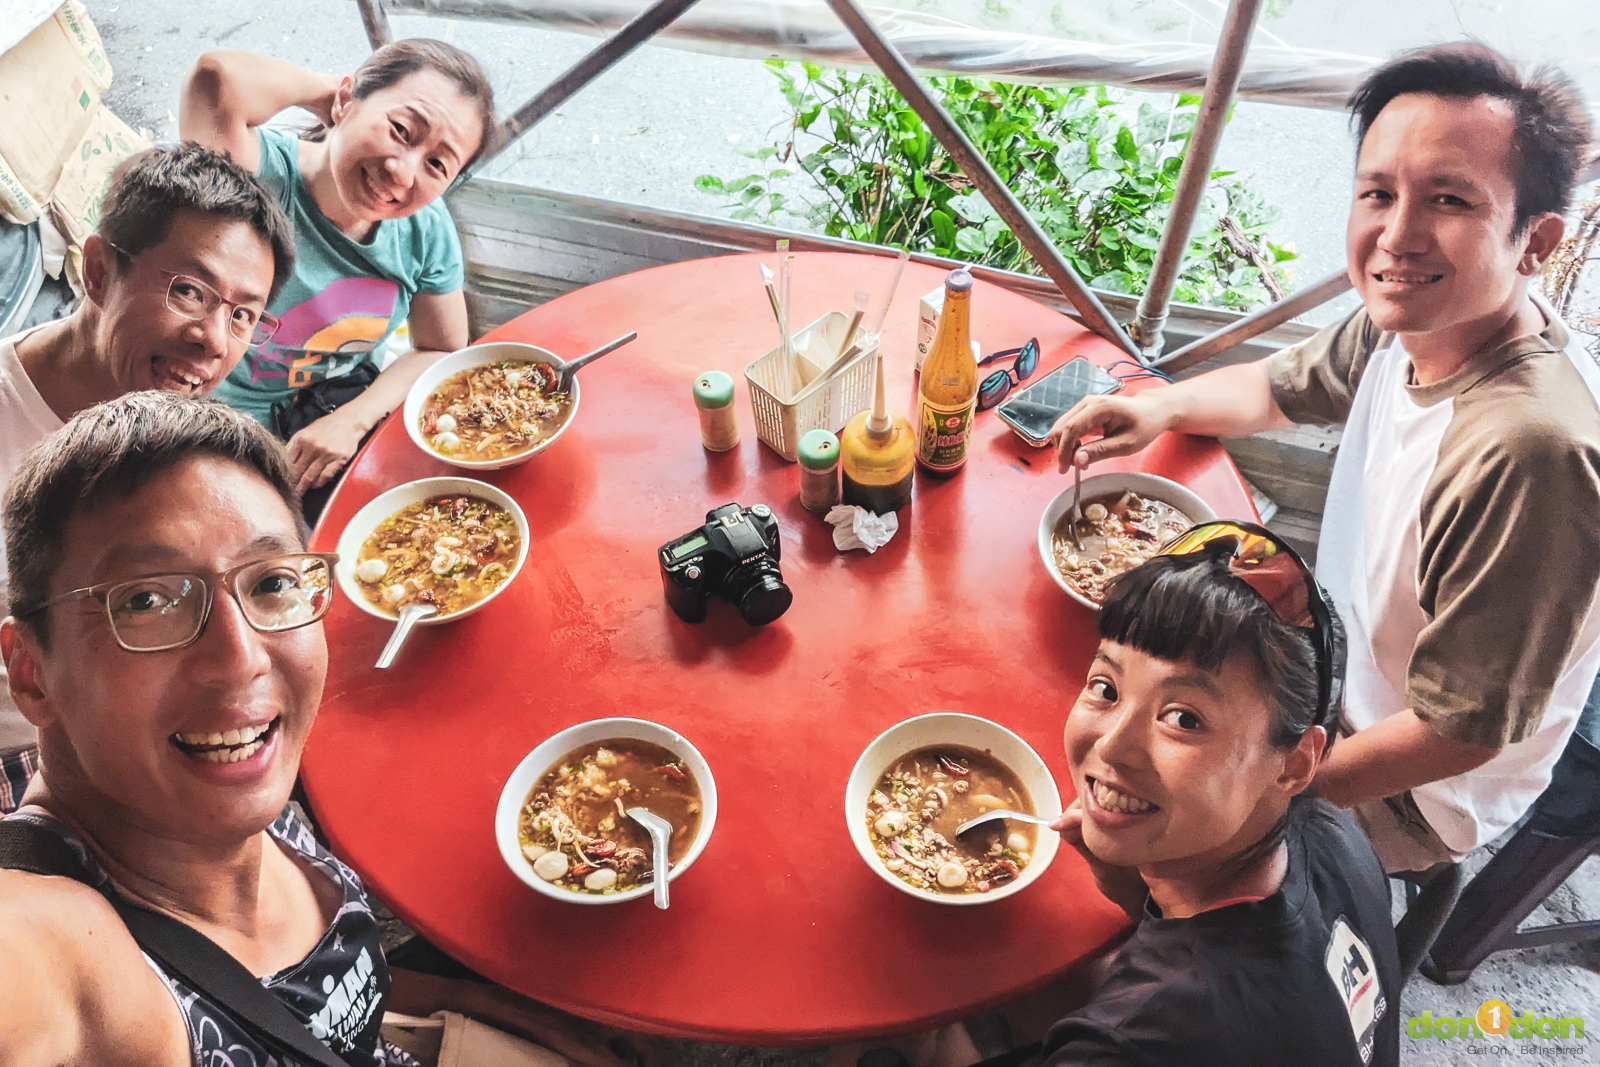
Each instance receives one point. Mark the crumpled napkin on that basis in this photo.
(856, 527)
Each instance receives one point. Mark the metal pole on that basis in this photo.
(376, 21)
(643, 26)
(977, 169)
(1232, 44)
(1256, 323)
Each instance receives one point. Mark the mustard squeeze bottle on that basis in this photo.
(877, 457)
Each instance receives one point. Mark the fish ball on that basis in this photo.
(371, 570)
(445, 423)
(446, 442)
(532, 852)
(1017, 843)
(604, 878)
(891, 823)
(550, 866)
(952, 874)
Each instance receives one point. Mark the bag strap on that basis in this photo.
(181, 950)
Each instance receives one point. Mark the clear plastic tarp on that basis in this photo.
(1306, 52)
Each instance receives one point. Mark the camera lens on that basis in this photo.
(764, 600)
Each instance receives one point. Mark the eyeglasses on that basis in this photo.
(994, 388)
(194, 299)
(1276, 572)
(165, 611)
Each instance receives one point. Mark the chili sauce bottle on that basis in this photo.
(949, 387)
(877, 456)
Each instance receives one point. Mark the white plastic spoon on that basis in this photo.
(660, 833)
(410, 615)
(1000, 813)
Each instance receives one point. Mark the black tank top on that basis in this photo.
(337, 990)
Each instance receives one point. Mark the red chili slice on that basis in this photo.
(673, 771)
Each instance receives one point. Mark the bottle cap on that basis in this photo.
(713, 389)
(818, 450)
(958, 281)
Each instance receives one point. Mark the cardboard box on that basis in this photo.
(86, 175)
(50, 86)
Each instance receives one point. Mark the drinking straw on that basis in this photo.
(786, 290)
(855, 320)
(785, 364)
(888, 295)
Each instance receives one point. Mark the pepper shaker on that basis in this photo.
(819, 470)
(719, 423)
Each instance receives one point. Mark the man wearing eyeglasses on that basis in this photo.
(1461, 535)
(189, 249)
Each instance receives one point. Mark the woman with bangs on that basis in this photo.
(1263, 931)
(376, 246)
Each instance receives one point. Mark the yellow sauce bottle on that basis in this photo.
(877, 456)
(949, 388)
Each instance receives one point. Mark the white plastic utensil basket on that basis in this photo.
(820, 405)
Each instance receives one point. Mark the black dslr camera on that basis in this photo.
(734, 555)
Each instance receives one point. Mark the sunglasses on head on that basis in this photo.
(1276, 572)
(996, 386)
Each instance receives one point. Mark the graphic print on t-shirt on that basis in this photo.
(328, 334)
(1355, 976)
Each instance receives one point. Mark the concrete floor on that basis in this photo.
(662, 117)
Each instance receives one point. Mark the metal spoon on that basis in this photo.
(409, 616)
(660, 832)
(1000, 813)
(568, 368)
(1077, 506)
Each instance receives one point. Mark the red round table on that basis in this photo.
(778, 933)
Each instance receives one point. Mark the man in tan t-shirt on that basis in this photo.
(1460, 540)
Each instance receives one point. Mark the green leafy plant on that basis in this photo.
(1095, 170)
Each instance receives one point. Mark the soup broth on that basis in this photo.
(574, 828)
(448, 551)
(913, 812)
(494, 411)
(1119, 531)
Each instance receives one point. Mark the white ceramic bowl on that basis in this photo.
(383, 505)
(541, 759)
(1146, 485)
(950, 728)
(492, 352)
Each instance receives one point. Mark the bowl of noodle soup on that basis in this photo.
(574, 750)
(957, 743)
(1128, 517)
(409, 530)
(484, 407)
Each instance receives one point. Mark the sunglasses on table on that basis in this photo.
(1267, 564)
(997, 386)
(164, 611)
(193, 299)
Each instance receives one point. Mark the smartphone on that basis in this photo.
(1035, 409)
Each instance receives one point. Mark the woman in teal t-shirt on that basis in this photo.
(375, 244)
